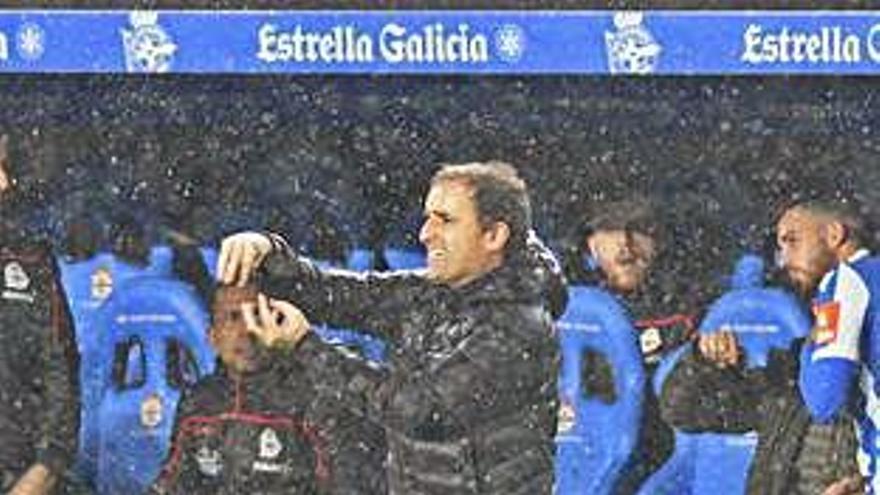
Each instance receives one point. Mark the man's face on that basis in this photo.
(459, 249)
(624, 257)
(229, 334)
(804, 252)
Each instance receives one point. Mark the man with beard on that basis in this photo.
(710, 390)
(622, 245)
(39, 413)
(822, 246)
(469, 401)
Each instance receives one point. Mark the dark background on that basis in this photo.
(342, 161)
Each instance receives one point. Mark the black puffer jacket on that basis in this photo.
(469, 404)
(699, 396)
(266, 432)
(39, 413)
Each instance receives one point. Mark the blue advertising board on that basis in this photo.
(440, 42)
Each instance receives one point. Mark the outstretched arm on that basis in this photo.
(363, 301)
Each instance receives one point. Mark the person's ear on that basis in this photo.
(212, 336)
(835, 234)
(590, 242)
(496, 237)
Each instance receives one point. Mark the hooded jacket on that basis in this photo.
(468, 401)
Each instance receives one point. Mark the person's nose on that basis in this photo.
(426, 233)
(625, 253)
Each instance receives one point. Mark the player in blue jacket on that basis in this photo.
(822, 249)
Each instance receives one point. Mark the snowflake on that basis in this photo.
(31, 41)
(510, 41)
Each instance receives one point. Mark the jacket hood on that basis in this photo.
(531, 275)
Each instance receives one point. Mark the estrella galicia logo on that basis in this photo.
(30, 41)
(148, 48)
(510, 42)
(631, 49)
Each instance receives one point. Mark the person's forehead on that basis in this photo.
(623, 234)
(796, 219)
(449, 194)
(608, 234)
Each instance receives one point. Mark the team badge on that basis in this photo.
(650, 340)
(270, 445)
(631, 49)
(148, 48)
(151, 411)
(565, 417)
(827, 323)
(102, 284)
(210, 461)
(14, 277)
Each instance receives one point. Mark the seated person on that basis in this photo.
(624, 243)
(709, 390)
(257, 425)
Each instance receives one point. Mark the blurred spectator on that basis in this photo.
(128, 240)
(39, 413)
(82, 239)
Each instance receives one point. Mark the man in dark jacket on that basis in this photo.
(257, 425)
(39, 413)
(709, 390)
(469, 404)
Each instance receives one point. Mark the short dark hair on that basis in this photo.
(845, 211)
(630, 215)
(499, 194)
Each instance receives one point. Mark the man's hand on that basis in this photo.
(240, 256)
(720, 348)
(275, 322)
(851, 485)
(36, 481)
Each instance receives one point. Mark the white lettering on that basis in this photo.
(873, 43)
(752, 42)
(479, 49)
(852, 51)
(340, 44)
(432, 44)
(813, 48)
(579, 327)
(828, 44)
(390, 46)
(270, 467)
(267, 42)
(146, 318)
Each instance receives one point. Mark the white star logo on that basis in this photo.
(31, 41)
(510, 42)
